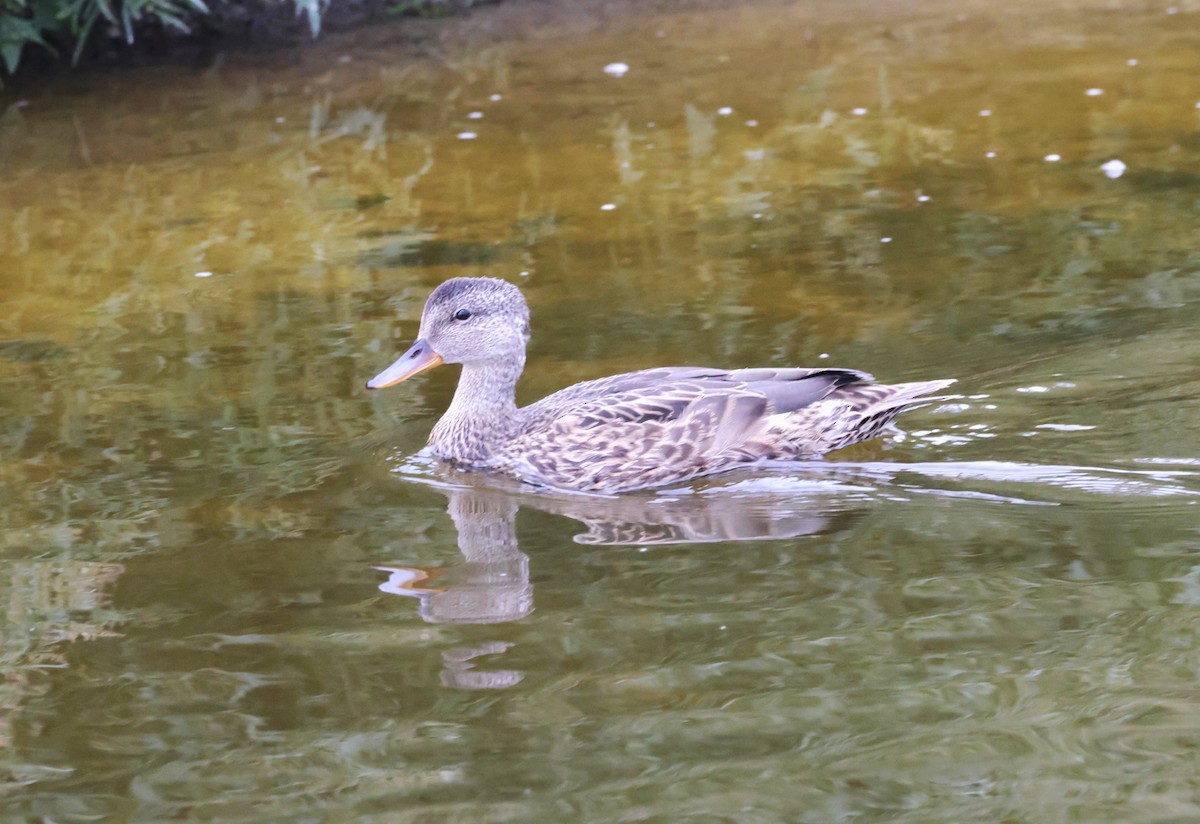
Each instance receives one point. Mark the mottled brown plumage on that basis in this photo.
(630, 431)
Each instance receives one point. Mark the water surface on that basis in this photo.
(233, 593)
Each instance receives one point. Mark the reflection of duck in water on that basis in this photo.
(630, 431)
(492, 584)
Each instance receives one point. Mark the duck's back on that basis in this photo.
(658, 426)
(638, 392)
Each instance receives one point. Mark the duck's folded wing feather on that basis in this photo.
(654, 392)
(653, 427)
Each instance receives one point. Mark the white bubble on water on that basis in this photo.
(1113, 169)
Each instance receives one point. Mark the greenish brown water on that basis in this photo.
(232, 593)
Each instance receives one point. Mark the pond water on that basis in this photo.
(234, 592)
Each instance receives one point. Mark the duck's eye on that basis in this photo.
(462, 314)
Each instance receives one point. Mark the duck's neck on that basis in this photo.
(483, 415)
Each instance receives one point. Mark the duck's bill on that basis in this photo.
(419, 357)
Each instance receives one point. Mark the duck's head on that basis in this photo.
(465, 320)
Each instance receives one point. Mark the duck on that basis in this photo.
(632, 431)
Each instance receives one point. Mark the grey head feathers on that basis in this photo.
(476, 319)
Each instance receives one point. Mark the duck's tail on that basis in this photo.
(874, 406)
(900, 396)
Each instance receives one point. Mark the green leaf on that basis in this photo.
(44, 15)
(311, 8)
(174, 21)
(15, 35)
(11, 52)
(127, 22)
(82, 36)
(106, 10)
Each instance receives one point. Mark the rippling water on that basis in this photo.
(235, 591)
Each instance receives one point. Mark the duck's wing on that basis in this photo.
(658, 426)
(656, 393)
